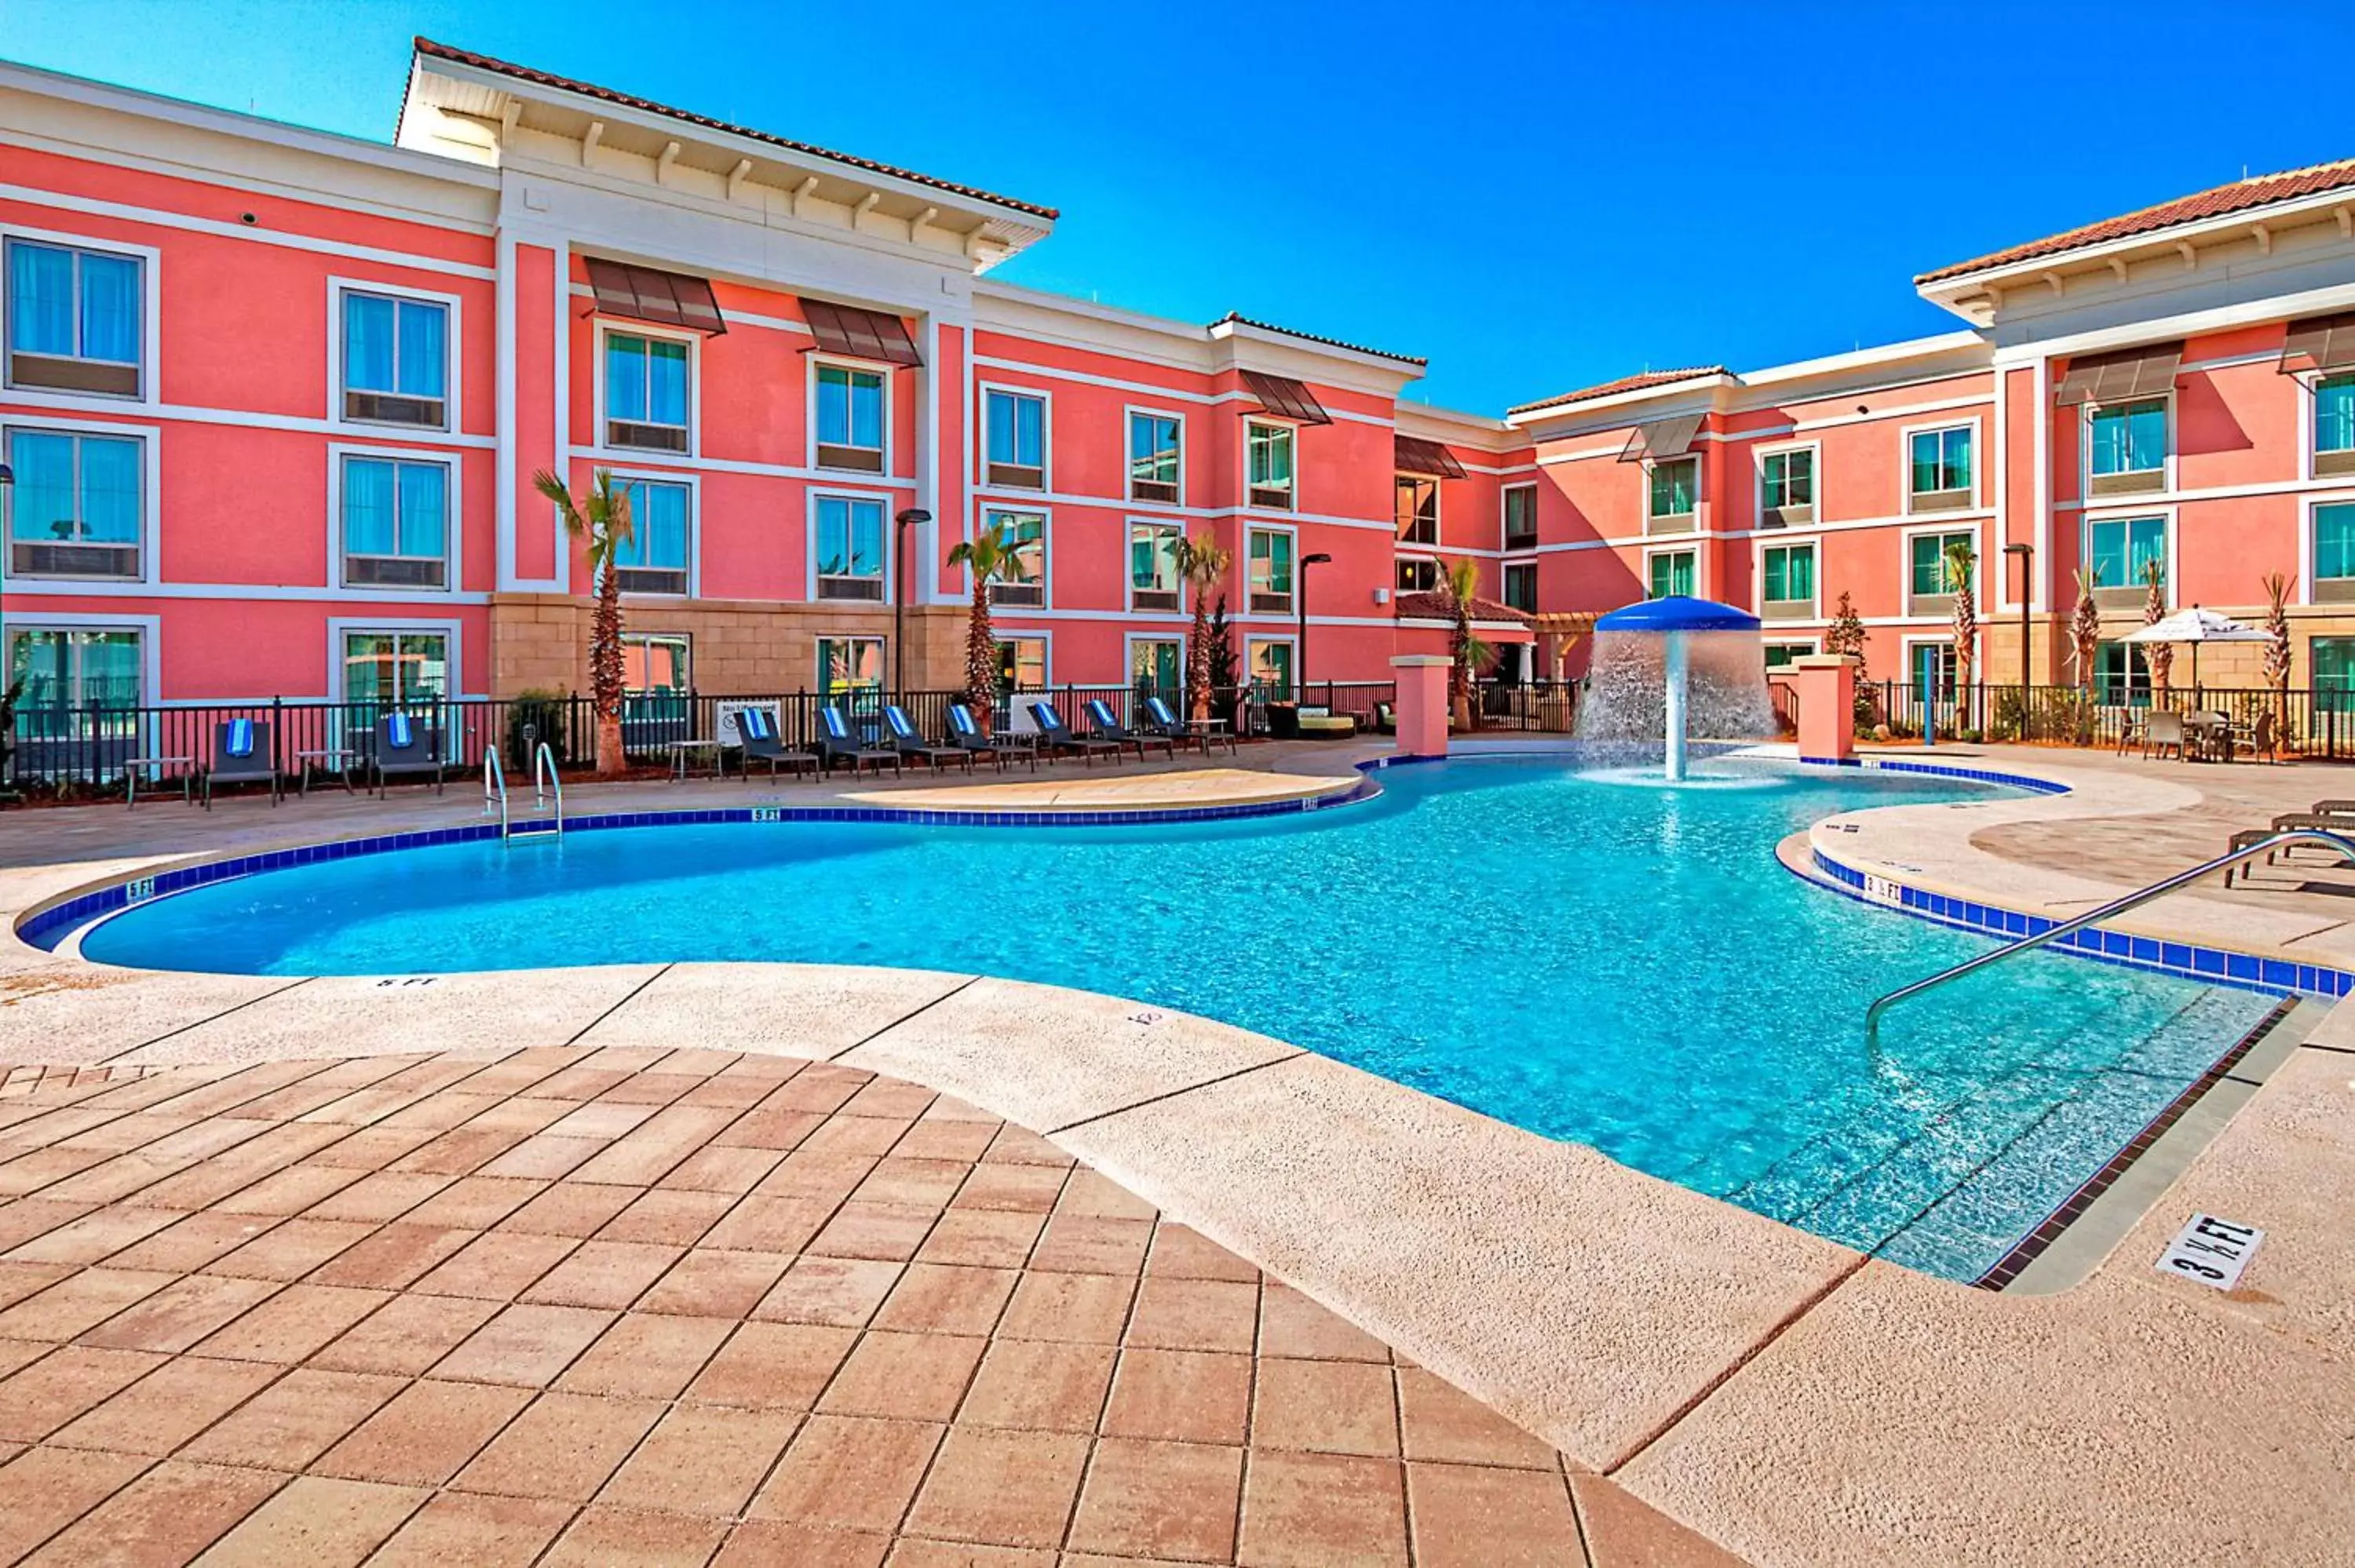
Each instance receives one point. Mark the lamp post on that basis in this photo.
(7, 658)
(1301, 603)
(2026, 553)
(911, 518)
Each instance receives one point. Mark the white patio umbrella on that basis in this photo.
(2195, 626)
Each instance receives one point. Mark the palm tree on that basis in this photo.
(988, 558)
(2086, 637)
(601, 522)
(2154, 610)
(1959, 561)
(2277, 665)
(1459, 584)
(1203, 562)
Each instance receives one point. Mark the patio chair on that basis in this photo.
(903, 737)
(242, 755)
(1054, 735)
(1180, 732)
(837, 745)
(2161, 731)
(404, 749)
(1385, 718)
(2257, 738)
(965, 735)
(757, 728)
(1106, 726)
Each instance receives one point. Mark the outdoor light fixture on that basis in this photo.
(912, 516)
(1301, 603)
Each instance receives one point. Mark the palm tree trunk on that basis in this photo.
(605, 674)
(980, 659)
(1198, 654)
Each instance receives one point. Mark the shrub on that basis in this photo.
(544, 713)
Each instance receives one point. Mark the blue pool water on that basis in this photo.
(1615, 963)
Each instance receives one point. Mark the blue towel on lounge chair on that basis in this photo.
(239, 737)
(398, 734)
(900, 729)
(753, 724)
(1100, 711)
(1160, 712)
(960, 721)
(834, 728)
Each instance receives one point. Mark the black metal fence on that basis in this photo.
(2310, 722)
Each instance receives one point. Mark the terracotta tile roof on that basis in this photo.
(427, 46)
(1432, 605)
(1240, 319)
(2241, 196)
(1625, 384)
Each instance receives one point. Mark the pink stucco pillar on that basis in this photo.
(1827, 689)
(1422, 705)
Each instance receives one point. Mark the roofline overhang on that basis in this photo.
(1530, 414)
(1372, 359)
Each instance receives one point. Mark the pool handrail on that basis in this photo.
(495, 785)
(546, 781)
(2116, 907)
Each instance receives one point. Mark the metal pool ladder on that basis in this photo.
(546, 784)
(2135, 900)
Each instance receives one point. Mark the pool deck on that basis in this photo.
(1693, 1365)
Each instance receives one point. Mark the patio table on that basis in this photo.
(2211, 735)
(187, 765)
(335, 759)
(1209, 730)
(683, 752)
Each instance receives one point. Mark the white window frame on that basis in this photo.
(1699, 495)
(1793, 539)
(150, 630)
(1273, 424)
(1046, 400)
(2310, 431)
(2110, 513)
(693, 484)
(1907, 493)
(1046, 551)
(1399, 558)
(809, 420)
(2166, 469)
(1045, 638)
(151, 500)
(1504, 513)
(1815, 450)
(1947, 642)
(1128, 653)
(2310, 505)
(1814, 645)
(1288, 640)
(817, 658)
(1960, 524)
(1129, 457)
(1438, 507)
(453, 629)
(452, 536)
(883, 498)
(1128, 584)
(1517, 563)
(687, 637)
(1683, 546)
(1291, 531)
(606, 326)
(453, 411)
(150, 321)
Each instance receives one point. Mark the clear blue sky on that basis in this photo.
(1535, 197)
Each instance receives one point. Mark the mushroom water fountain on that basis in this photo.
(1680, 669)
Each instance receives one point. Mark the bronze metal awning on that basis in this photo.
(855, 333)
(1661, 438)
(2146, 372)
(2320, 343)
(649, 294)
(1411, 455)
(1287, 398)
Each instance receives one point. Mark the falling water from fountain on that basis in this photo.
(1678, 669)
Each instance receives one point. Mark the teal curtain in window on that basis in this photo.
(369, 521)
(1674, 485)
(1929, 554)
(2131, 438)
(1271, 456)
(2334, 541)
(368, 328)
(1790, 575)
(71, 487)
(1271, 562)
(1017, 430)
(657, 527)
(44, 464)
(625, 377)
(849, 408)
(2334, 415)
(849, 537)
(424, 510)
(41, 299)
(422, 355)
(110, 308)
(2123, 548)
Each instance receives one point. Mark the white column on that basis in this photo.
(1675, 729)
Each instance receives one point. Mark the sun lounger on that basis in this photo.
(242, 755)
(756, 729)
(1056, 736)
(965, 735)
(1107, 727)
(837, 745)
(901, 734)
(1180, 732)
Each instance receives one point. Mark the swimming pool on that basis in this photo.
(1592, 959)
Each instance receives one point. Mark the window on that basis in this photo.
(850, 547)
(1152, 571)
(1788, 591)
(396, 361)
(1271, 668)
(1521, 586)
(1268, 462)
(79, 504)
(1416, 574)
(1670, 572)
(1418, 509)
(1270, 574)
(67, 673)
(1021, 665)
(1931, 579)
(655, 558)
(1786, 488)
(74, 319)
(1153, 457)
(1932, 666)
(656, 663)
(1156, 667)
(2122, 675)
(2128, 445)
(1675, 488)
(848, 667)
(2334, 425)
(849, 419)
(1783, 655)
(2332, 660)
(646, 392)
(1521, 517)
(1025, 533)
(2121, 551)
(1940, 477)
(395, 670)
(396, 523)
(2334, 553)
(1018, 439)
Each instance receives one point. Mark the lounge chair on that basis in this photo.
(403, 747)
(1054, 735)
(903, 739)
(756, 729)
(1385, 718)
(1182, 733)
(1324, 723)
(836, 744)
(1108, 726)
(242, 755)
(965, 735)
